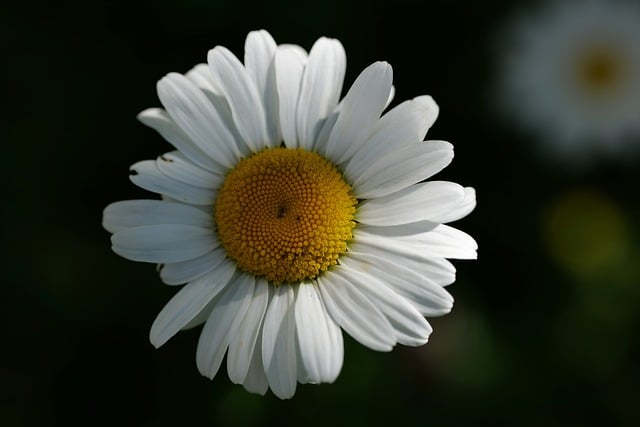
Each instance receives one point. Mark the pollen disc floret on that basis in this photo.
(285, 214)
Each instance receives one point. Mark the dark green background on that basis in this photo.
(545, 330)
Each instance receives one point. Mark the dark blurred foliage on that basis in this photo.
(545, 330)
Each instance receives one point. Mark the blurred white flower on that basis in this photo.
(572, 75)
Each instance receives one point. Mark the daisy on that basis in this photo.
(572, 74)
(290, 216)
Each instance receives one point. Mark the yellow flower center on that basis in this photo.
(600, 70)
(285, 214)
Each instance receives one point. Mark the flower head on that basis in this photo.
(572, 75)
(290, 216)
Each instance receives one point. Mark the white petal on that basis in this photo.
(201, 76)
(188, 303)
(177, 273)
(326, 127)
(242, 95)
(426, 201)
(289, 66)
(392, 94)
(135, 213)
(145, 174)
(176, 166)
(319, 338)
(203, 315)
(441, 241)
(259, 51)
(360, 111)
(223, 108)
(428, 297)
(409, 325)
(402, 168)
(300, 51)
(447, 242)
(279, 343)
(259, 48)
(321, 88)
(406, 124)
(243, 345)
(256, 379)
(302, 375)
(435, 267)
(355, 313)
(223, 323)
(401, 230)
(411, 252)
(163, 243)
(190, 108)
(159, 120)
(461, 210)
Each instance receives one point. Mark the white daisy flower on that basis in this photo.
(290, 216)
(573, 74)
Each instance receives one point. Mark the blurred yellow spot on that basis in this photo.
(600, 70)
(586, 234)
(285, 214)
